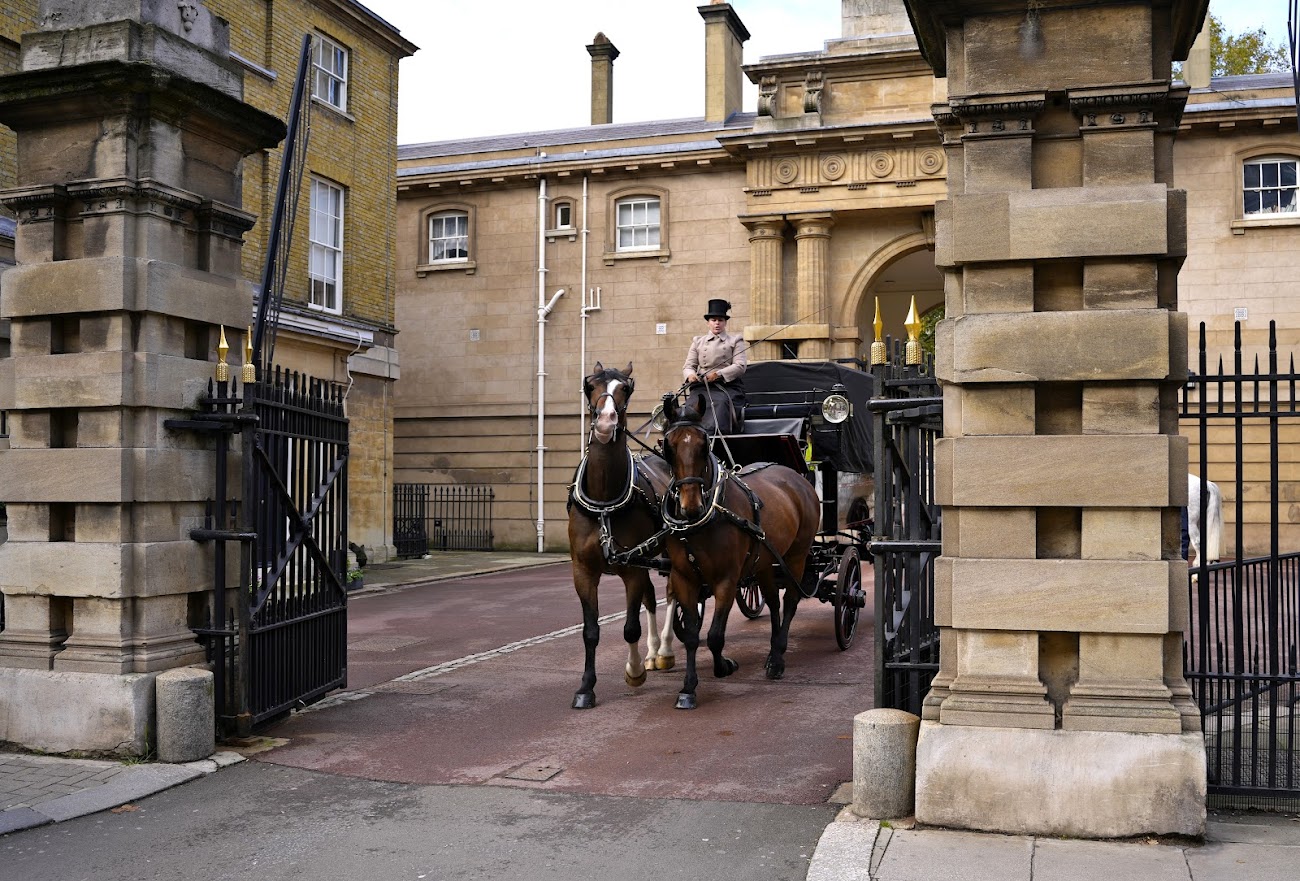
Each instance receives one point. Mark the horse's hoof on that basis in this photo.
(728, 667)
(584, 700)
(685, 701)
(665, 662)
(775, 672)
(634, 681)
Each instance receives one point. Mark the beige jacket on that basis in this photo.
(725, 352)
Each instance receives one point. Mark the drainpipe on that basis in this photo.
(590, 303)
(543, 309)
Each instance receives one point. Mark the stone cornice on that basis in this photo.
(369, 23)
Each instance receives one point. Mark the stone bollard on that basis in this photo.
(186, 715)
(884, 763)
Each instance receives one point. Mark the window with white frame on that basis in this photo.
(563, 215)
(329, 72)
(448, 236)
(637, 223)
(326, 258)
(1269, 186)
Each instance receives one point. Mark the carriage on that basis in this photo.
(813, 418)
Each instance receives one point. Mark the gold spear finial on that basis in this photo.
(249, 373)
(878, 355)
(223, 349)
(913, 325)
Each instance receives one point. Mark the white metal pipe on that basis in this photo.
(582, 335)
(543, 309)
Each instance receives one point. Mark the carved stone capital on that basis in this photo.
(37, 204)
(767, 95)
(1140, 105)
(812, 92)
(998, 115)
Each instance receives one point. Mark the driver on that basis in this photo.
(719, 359)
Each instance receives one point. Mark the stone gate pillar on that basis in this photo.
(131, 133)
(1060, 706)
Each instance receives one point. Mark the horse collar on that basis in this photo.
(597, 507)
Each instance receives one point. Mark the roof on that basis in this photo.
(575, 136)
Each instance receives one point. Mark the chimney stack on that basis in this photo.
(602, 53)
(1199, 66)
(724, 38)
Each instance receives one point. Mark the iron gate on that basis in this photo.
(1243, 638)
(277, 637)
(907, 417)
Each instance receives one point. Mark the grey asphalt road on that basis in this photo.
(258, 820)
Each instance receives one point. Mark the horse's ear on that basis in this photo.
(628, 372)
(698, 406)
(599, 368)
(670, 407)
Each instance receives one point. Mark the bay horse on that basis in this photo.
(725, 526)
(614, 507)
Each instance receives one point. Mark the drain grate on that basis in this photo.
(534, 771)
(384, 643)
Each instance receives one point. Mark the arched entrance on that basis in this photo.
(897, 272)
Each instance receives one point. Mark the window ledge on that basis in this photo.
(662, 253)
(321, 102)
(1256, 221)
(564, 232)
(466, 266)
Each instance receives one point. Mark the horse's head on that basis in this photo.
(608, 392)
(686, 447)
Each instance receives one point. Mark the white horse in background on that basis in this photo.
(1213, 530)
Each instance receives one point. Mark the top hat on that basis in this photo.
(718, 309)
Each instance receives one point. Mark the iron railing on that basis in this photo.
(907, 418)
(1241, 648)
(442, 517)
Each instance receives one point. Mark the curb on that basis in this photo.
(845, 849)
(133, 783)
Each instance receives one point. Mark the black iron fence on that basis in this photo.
(441, 517)
(1243, 640)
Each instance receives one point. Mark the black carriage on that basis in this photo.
(814, 418)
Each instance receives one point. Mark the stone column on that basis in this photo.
(766, 244)
(1059, 708)
(128, 245)
(812, 235)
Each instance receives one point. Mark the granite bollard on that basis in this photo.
(884, 763)
(186, 715)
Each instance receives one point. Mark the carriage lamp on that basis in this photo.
(878, 355)
(913, 325)
(835, 406)
(223, 349)
(659, 417)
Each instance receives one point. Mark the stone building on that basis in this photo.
(337, 322)
(802, 211)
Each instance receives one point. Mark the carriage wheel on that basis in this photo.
(847, 590)
(749, 599)
(679, 620)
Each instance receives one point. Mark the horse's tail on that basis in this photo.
(1214, 550)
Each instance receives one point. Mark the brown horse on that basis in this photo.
(725, 527)
(614, 508)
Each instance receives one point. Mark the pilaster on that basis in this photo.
(766, 243)
(812, 235)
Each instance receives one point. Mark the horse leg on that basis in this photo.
(722, 602)
(585, 581)
(775, 666)
(637, 584)
(690, 639)
(659, 644)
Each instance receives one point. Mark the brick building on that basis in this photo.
(337, 322)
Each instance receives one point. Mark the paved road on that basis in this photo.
(455, 755)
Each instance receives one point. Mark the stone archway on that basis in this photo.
(895, 272)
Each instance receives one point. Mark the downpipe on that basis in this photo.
(543, 310)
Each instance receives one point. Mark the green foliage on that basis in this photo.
(1247, 52)
(931, 317)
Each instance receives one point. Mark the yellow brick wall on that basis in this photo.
(356, 149)
(16, 18)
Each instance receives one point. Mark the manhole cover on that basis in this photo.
(383, 643)
(533, 771)
(413, 687)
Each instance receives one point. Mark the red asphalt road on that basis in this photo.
(751, 739)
